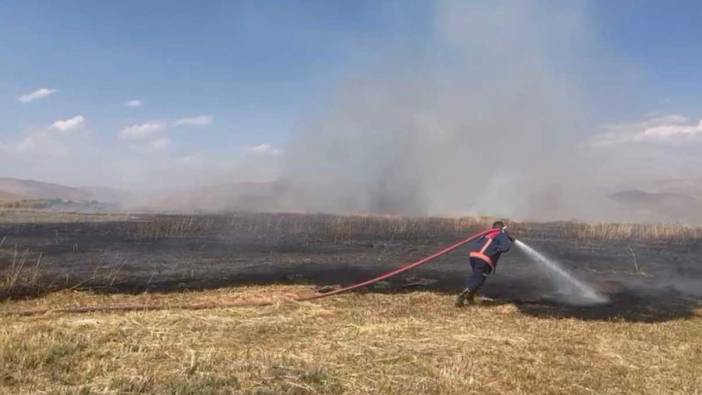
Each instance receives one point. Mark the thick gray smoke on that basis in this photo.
(484, 129)
(488, 114)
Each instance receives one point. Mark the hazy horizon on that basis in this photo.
(518, 109)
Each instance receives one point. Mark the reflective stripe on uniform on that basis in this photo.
(481, 254)
(482, 257)
(482, 250)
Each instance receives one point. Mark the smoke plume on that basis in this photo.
(484, 129)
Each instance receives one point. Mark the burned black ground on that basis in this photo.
(646, 280)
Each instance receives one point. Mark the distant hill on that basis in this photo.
(107, 195)
(672, 204)
(30, 190)
(249, 196)
(9, 197)
(239, 196)
(689, 186)
(641, 197)
(658, 206)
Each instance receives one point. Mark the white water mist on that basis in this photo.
(577, 291)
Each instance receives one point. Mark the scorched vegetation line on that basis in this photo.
(203, 306)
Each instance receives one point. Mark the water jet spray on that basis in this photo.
(575, 291)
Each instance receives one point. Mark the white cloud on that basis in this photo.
(66, 125)
(38, 94)
(265, 148)
(149, 137)
(38, 142)
(191, 160)
(49, 141)
(133, 103)
(201, 120)
(670, 132)
(155, 130)
(666, 129)
(158, 144)
(28, 143)
(143, 131)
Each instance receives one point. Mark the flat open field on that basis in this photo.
(371, 343)
(400, 336)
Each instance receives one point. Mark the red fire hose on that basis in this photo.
(146, 307)
(397, 271)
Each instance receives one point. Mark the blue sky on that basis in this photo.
(251, 72)
(661, 39)
(253, 66)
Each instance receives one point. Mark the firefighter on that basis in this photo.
(484, 260)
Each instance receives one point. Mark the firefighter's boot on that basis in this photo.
(466, 294)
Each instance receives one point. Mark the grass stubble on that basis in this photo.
(358, 344)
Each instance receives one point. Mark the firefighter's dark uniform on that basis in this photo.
(483, 261)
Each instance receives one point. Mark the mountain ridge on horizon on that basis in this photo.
(635, 203)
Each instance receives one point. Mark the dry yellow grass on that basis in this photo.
(340, 228)
(358, 344)
(314, 226)
(640, 232)
(349, 227)
(29, 216)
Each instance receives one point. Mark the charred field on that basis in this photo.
(649, 272)
(397, 337)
